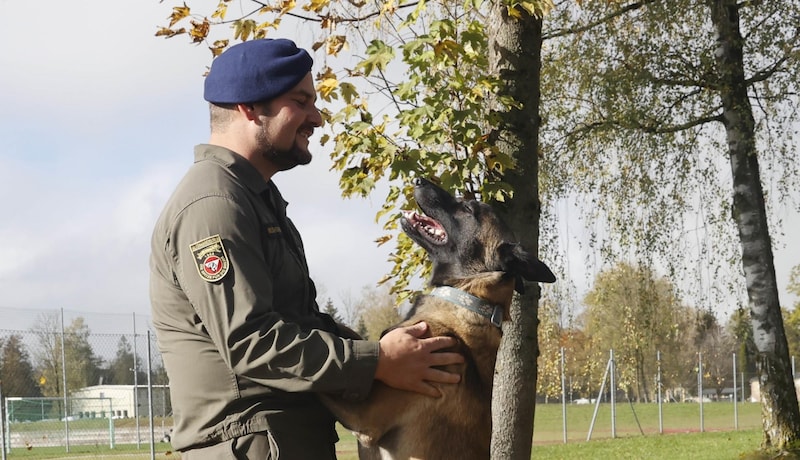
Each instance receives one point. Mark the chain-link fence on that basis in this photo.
(75, 381)
(731, 396)
(81, 382)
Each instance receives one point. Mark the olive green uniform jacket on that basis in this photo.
(243, 342)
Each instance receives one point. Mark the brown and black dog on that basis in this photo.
(476, 263)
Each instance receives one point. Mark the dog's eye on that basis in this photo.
(469, 206)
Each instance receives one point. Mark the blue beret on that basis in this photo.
(255, 71)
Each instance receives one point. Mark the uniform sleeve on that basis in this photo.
(237, 314)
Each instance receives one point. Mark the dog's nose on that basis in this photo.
(421, 181)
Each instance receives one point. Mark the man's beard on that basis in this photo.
(283, 159)
(287, 158)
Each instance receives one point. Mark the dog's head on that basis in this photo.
(465, 237)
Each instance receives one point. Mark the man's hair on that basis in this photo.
(221, 116)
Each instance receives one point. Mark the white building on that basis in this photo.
(123, 400)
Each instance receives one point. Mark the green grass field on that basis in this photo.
(681, 439)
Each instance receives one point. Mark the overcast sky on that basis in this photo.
(98, 119)
(98, 122)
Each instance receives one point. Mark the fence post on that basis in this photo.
(64, 383)
(110, 423)
(597, 402)
(612, 364)
(3, 423)
(563, 397)
(136, 386)
(150, 398)
(660, 402)
(735, 406)
(700, 387)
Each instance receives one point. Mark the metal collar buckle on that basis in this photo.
(497, 316)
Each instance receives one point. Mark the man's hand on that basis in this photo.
(407, 359)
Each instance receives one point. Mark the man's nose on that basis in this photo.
(315, 117)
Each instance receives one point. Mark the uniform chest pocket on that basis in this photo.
(280, 253)
(274, 243)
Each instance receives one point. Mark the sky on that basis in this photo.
(98, 120)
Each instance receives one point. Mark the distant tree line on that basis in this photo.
(628, 309)
(37, 367)
(639, 315)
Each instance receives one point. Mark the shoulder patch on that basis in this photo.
(210, 258)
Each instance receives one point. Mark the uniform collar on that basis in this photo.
(236, 163)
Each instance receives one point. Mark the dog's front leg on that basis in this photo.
(385, 408)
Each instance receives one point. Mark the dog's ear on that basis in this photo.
(517, 261)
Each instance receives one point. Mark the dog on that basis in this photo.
(476, 265)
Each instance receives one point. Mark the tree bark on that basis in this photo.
(780, 412)
(515, 56)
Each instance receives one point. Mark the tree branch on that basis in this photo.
(320, 18)
(615, 14)
(650, 129)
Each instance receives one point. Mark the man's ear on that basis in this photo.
(515, 260)
(248, 110)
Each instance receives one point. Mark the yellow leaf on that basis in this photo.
(166, 32)
(199, 30)
(327, 87)
(222, 8)
(383, 239)
(178, 13)
(316, 5)
(335, 43)
(328, 23)
(388, 7)
(326, 72)
(287, 5)
(218, 47)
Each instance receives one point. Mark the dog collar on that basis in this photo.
(493, 313)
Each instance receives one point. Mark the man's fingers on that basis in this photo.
(417, 330)
(443, 359)
(440, 376)
(439, 342)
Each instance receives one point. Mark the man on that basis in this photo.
(243, 342)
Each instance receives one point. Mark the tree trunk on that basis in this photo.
(780, 412)
(515, 56)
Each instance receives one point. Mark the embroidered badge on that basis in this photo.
(210, 258)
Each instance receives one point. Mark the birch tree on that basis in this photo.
(656, 97)
(78, 362)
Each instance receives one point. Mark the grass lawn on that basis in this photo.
(637, 433)
(120, 452)
(682, 438)
(719, 445)
(639, 419)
